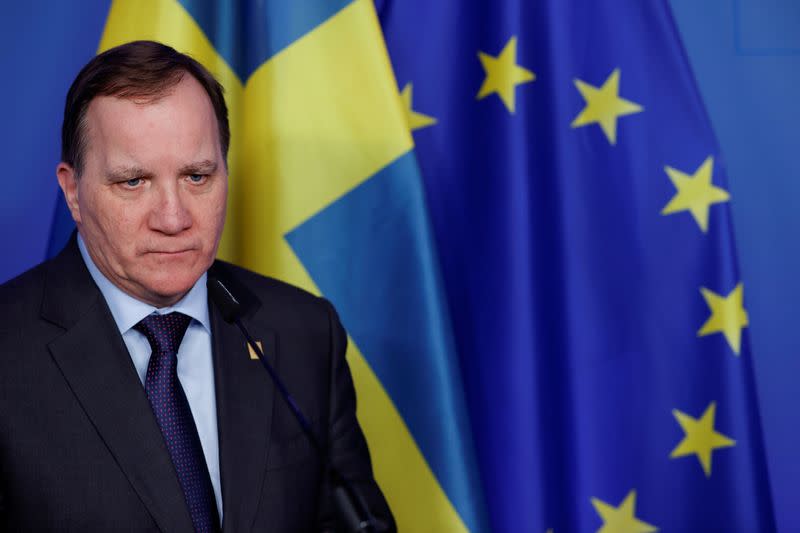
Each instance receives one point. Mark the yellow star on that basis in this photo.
(695, 193)
(604, 106)
(503, 74)
(415, 120)
(728, 316)
(621, 519)
(700, 439)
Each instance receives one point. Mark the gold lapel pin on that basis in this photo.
(253, 354)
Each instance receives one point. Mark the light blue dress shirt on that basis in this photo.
(195, 366)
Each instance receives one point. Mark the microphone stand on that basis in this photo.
(348, 502)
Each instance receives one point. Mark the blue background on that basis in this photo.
(745, 56)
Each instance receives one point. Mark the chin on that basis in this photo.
(173, 288)
(169, 278)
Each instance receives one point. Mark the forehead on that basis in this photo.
(180, 120)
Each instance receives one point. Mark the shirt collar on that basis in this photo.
(128, 311)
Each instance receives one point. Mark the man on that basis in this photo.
(126, 401)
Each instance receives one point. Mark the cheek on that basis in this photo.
(111, 223)
(212, 214)
(220, 213)
(115, 222)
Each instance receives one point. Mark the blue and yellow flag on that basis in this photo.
(579, 200)
(325, 193)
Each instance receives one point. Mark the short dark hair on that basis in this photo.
(141, 70)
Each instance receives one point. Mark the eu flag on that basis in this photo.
(582, 216)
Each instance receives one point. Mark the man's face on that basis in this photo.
(150, 203)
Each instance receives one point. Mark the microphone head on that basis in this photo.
(228, 305)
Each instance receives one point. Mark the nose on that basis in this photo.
(170, 214)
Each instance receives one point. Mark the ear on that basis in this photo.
(68, 181)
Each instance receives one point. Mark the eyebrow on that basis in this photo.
(206, 166)
(126, 173)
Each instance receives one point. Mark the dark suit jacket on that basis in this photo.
(80, 449)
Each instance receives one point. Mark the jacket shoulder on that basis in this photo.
(23, 332)
(274, 297)
(21, 297)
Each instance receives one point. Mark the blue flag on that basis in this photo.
(582, 215)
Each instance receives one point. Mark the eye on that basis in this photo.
(133, 183)
(198, 178)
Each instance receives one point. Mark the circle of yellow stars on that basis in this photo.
(695, 193)
(502, 75)
(604, 106)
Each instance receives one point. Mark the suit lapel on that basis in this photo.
(95, 362)
(245, 395)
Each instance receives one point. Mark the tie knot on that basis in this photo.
(164, 332)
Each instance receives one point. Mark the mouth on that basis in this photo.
(170, 253)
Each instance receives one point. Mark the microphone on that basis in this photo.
(348, 502)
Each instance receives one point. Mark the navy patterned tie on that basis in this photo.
(165, 332)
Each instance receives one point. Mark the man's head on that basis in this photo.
(144, 145)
